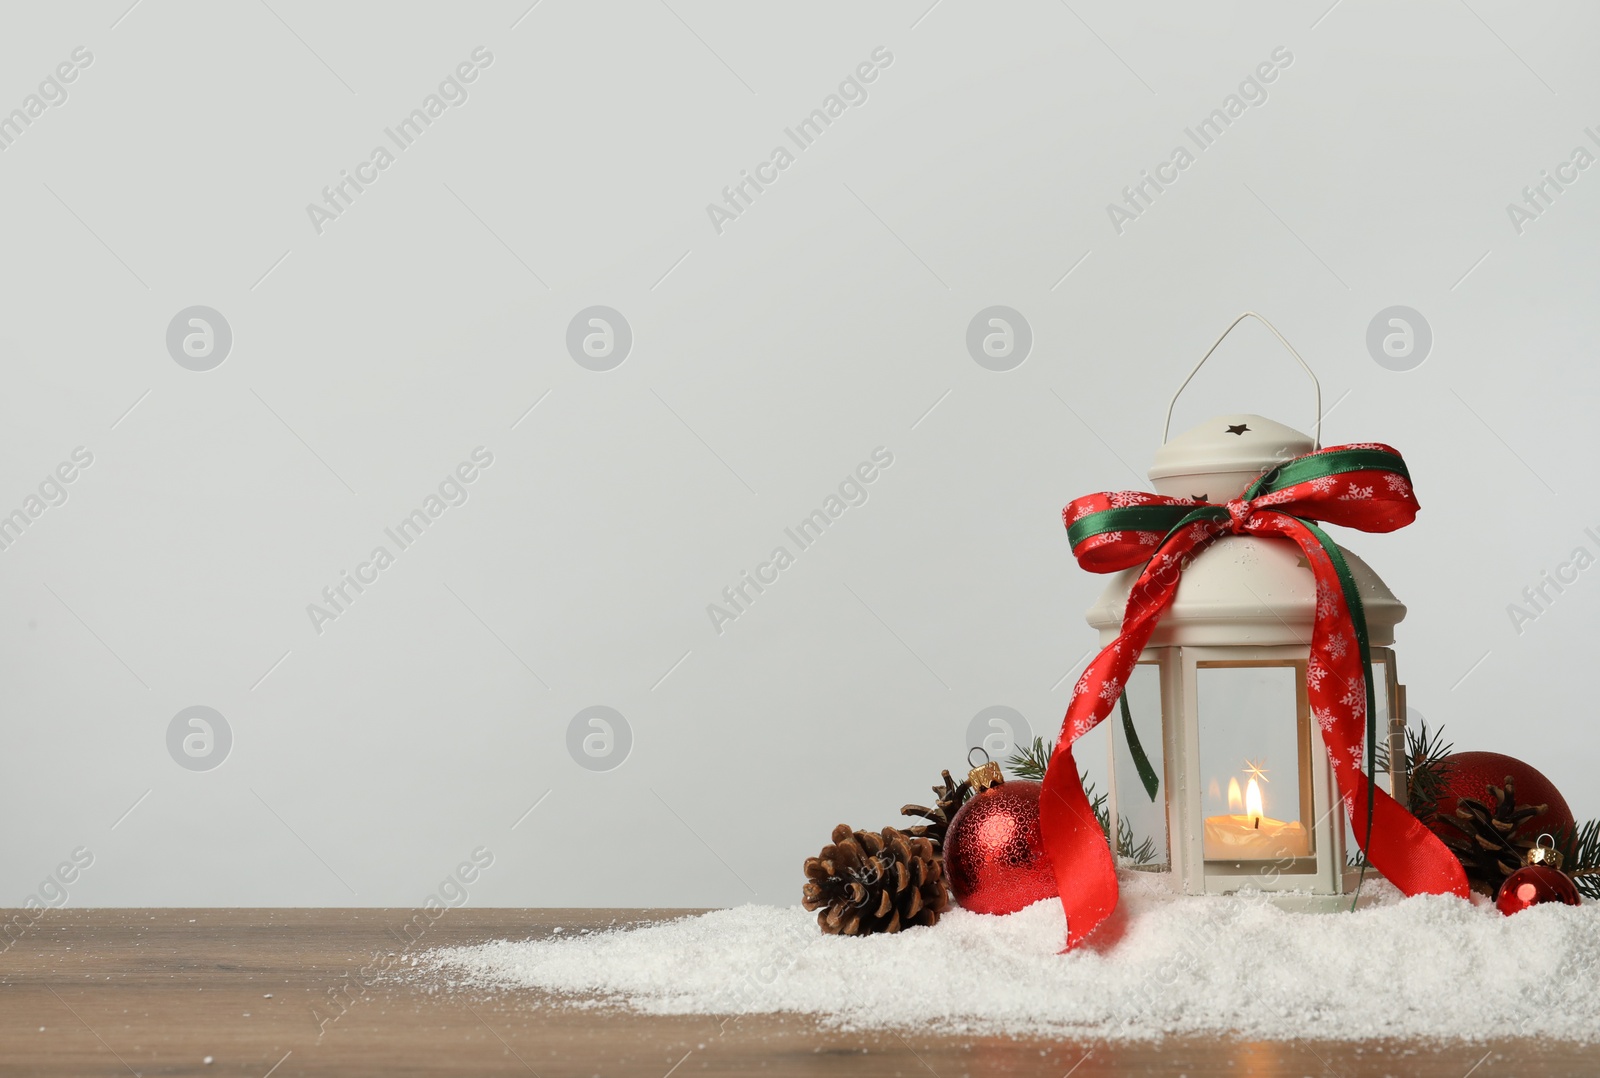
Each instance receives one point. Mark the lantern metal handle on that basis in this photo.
(1316, 431)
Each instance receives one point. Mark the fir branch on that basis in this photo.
(1030, 761)
(1427, 768)
(1141, 853)
(1580, 857)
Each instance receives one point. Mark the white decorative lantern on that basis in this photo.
(1217, 706)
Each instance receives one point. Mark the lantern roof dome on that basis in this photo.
(1247, 590)
(1221, 457)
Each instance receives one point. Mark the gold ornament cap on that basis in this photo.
(986, 774)
(1542, 854)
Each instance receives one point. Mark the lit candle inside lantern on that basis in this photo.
(1252, 835)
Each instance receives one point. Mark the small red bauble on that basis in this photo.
(994, 851)
(1472, 773)
(1534, 885)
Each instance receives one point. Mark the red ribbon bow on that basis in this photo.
(1362, 486)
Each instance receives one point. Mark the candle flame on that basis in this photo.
(1252, 800)
(1235, 799)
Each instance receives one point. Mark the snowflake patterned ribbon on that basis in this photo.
(1364, 486)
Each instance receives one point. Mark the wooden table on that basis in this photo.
(156, 992)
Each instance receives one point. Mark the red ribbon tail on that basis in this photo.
(1402, 848)
(1085, 870)
(1086, 873)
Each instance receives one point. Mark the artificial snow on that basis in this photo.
(1425, 967)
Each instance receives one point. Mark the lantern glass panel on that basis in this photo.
(1256, 794)
(1141, 820)
(1382, 687)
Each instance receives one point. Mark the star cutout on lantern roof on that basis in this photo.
(1238, 428)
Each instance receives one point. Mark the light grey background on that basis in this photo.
(767, 362)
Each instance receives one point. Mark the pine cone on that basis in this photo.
(1488, 844)
(950, 796)
(863, 882)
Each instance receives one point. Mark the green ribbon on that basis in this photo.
(1132, 518)
(1141, 762)
(1321, 465)
(1358, 618)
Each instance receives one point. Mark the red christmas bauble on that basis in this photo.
(994, 851)
(1471, 775)
(1534, 885)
